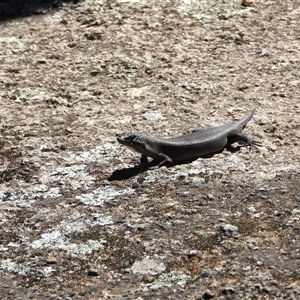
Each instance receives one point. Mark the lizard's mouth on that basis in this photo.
(120, 139)
(123, 141)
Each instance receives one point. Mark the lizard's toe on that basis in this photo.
(254, 144)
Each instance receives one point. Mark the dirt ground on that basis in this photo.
(79, 219)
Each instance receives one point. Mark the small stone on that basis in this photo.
(2, 142)
(93, 272)
(277, 213)
(228, 291)
(229, 230)
(51, 260)
(210, 197)
(206, 273)
(248, 3)
(64, 22)
(208, 295)
(252, 209)
(147, 278)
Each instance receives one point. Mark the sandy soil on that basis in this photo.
(78, 219)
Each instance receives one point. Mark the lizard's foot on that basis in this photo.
(253, 144)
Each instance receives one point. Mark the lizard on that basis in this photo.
(190, 146)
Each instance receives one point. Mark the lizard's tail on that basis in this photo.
(246, 119)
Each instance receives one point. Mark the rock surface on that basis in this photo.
(78, 219)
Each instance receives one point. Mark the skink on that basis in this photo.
(187, 147)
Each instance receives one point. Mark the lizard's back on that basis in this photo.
(200, 142)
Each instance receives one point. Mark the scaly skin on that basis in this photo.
(199, 143)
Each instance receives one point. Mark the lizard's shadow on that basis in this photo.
(127, 173)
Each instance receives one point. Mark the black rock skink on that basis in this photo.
(199, 143)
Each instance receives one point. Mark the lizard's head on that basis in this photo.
(134, 141)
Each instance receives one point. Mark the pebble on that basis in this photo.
(51, 260)
(93, 272)
(248, 3)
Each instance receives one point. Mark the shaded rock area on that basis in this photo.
(79, 219)
(21, 8)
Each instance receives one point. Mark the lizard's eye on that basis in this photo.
(126, 137)
(132, 138)
(138, 139)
